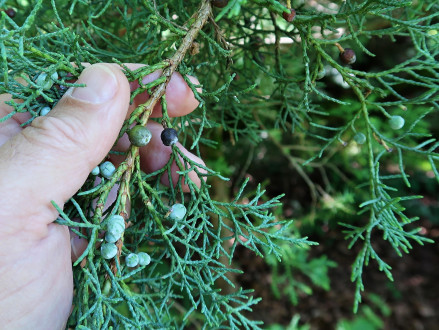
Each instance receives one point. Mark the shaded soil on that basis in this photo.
(412, 299)
(410, 302)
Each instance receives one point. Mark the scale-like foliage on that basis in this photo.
(257, 73)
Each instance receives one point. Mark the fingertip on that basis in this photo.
(195, 82)
(180, 97)
(193, 176)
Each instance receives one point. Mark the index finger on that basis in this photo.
(179, 96)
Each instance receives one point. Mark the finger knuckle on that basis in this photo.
(58, 133)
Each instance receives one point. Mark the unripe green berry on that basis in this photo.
(96, 171)
(132, 260)
(396, 122)
(44, 111)
(108, 250)
(178, 211)
(169, 136)
(139, 136)
(107, 169)
(144, 258)
(360, 138)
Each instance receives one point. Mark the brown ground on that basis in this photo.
(412, 299)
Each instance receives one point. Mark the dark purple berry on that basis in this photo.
(256, 42)
(289, 16)
(169, 136)
(347, 56)
(219, 3)
(10, 12)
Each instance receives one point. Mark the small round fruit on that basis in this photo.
(116, 225)
(116, 219)
(360, 138)
(41, 79)
(321, 74)
(112, 237)
(256, 41)
(178, 211)
(107, 169)
(46, 82)
(169, 136)
(96, 171)
(132, 260)
(10, 12)
(289, 16)
(108, 250)
(219, 3)
(44, 111)
(348, 56)
(144, 258)
(139, 136)
(396, 122)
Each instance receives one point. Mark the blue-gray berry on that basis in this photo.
(321, 74)
(360, 138)
(96, 171)
(178, 211)
(44, 111)
(144, 258)
(108, 250)
(132, 260)
(115, 226)
(46, 82)
(107, 169)
(111, 237)
(396, 122)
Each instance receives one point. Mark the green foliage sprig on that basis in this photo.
(251, 83)
(41, 58)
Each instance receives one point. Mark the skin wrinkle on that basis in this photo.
(33, 193)
(19, 261)
(57, 133)
(32, 258)
(31, 226)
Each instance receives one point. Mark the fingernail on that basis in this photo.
(101, 84)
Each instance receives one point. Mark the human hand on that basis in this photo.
(50, 160)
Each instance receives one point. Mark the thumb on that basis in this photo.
(51, 159)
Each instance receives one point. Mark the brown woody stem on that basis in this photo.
(147, 108)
